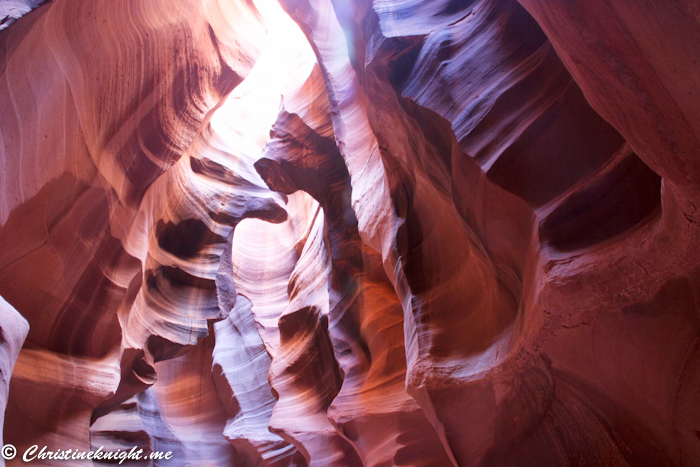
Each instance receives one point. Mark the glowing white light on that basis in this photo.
(245, 119)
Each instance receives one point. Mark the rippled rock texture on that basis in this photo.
(352, 233)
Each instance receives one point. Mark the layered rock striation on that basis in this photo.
(367, 233)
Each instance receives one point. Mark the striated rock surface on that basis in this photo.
(370, 233)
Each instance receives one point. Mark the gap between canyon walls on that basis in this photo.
(375, 233)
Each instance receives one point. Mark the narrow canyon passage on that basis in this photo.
(350, 233)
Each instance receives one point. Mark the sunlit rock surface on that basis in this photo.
(13, 331)
(352, 233)
(11, 10)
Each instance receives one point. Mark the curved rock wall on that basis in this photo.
(368, 233)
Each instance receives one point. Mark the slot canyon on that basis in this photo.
(351, 233)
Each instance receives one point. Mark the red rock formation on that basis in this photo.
(369, 233)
